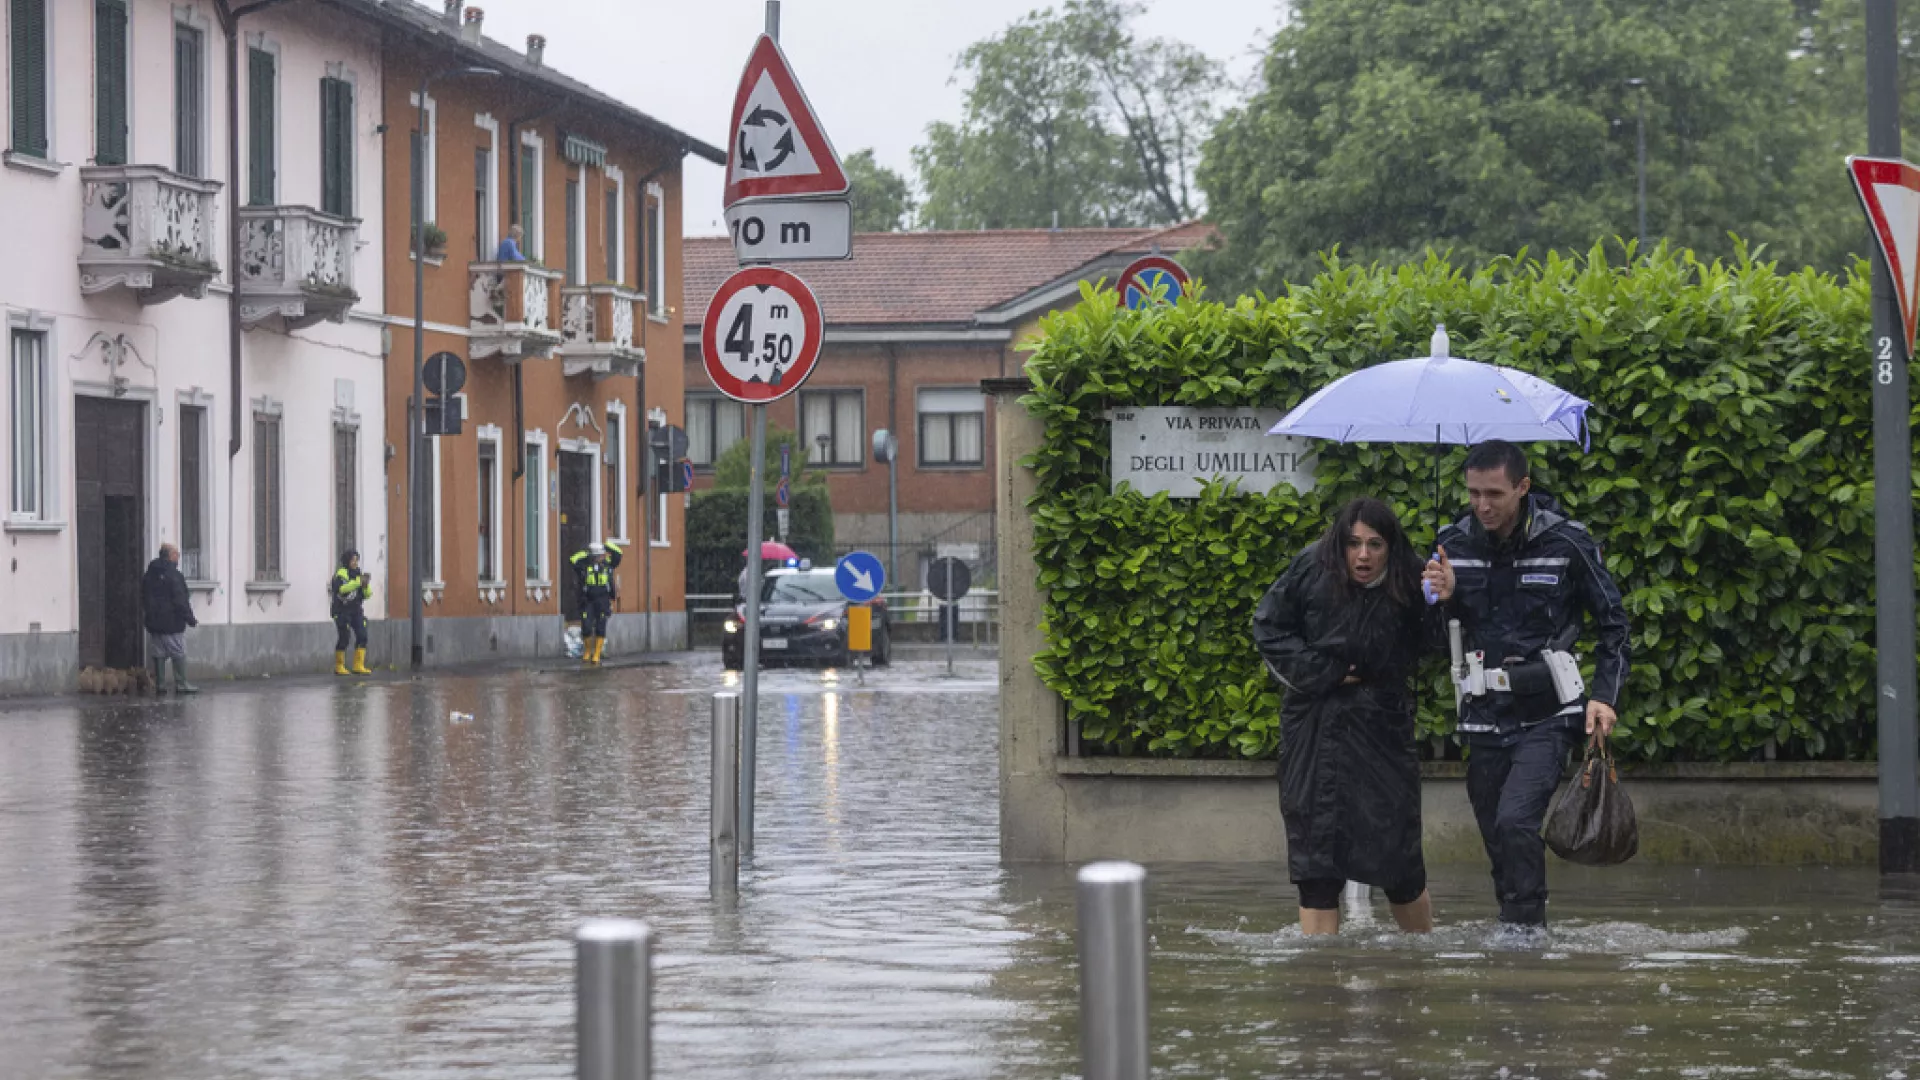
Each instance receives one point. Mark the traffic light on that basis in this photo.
(668, 446)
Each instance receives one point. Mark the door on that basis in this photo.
(110, 527)
(576, 523)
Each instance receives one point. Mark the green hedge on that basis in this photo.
(717, 534)
(1730, 484)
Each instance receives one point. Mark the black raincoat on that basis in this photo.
(1349, 772)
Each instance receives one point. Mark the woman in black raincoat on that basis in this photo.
(1343, 630)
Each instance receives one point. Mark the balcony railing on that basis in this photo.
(511, 311)
(146, 229)
(296, 264)
(596, 331)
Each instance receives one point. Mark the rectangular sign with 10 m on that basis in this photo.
(780, 230)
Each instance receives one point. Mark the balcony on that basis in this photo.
(596, 331)
(148, 230)
(296, 264)
(510, 311)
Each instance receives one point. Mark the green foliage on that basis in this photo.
(881, 202)
(1068, 113)
(733, 469)
(717, 534)
(1503, 126)
(1729, 482)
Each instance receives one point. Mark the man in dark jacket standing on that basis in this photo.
(163, 593)
(1521, 576)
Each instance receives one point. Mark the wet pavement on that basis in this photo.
(319, 879)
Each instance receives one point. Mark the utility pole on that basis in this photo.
(1641, 172)
(1892, 500)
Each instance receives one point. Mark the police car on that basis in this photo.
(803, 619)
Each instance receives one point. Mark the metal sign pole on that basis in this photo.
(1892, 500)
(949, 619)
(750, 648)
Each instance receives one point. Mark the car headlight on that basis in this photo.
(829, 624)
(733, 626)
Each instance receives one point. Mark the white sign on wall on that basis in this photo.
(1177, 449)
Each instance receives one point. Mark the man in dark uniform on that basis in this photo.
(595, 567)
(350, 589)
(1519, 575)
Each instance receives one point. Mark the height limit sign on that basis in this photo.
(761, 335)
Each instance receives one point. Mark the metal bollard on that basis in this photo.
(1113, 971)
(613, 996)
(723, 866)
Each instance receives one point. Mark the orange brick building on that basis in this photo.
(558, 395)
(914, 322)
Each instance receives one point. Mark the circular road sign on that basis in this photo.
(860, 576)
(1143, 275)
(761, 335)
(948, 579)
(445, 373)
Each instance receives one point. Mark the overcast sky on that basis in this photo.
(877, 71)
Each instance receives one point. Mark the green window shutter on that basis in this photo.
(262, 112)
(529, 166)
(28, 35)
(336, 147)
(110, 82)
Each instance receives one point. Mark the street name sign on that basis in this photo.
(761, 335)
(791, 230)
(1889, 191)
(1178, 449)
(778, 147)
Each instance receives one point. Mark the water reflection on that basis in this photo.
(323, 880)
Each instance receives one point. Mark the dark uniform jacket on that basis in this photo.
(351, 589)
(1530, 593)
(1349, 771)
(163, 593)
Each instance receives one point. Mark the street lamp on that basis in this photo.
(417, 418)
(1641, 139)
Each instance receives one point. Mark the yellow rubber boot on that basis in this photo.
(586, 651)
(360, 662)
(340, 664)
(599, 648)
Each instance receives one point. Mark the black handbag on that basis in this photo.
(1592, 822)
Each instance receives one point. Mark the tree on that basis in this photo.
(1386, 128)
(881, 201)
(1070, 118)
(731, 469)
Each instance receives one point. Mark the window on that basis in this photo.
(656, 251)
(29, 405)
(576, 234)
(660, 538)
(424, 157)
(110, 82)
(952, 427)
(616, 470)
(840, 415)
(336, 147)
(27, 34)
(713, 424)
(431, 564)
(532, 180)
(490, 507)
(483, 245)
(195, 562)
(189, 102)
(261, 108)
(267, 538)
(535, 466)
(346, 488)
(612, 226)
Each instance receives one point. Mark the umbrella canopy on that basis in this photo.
(773, 549)
(1439, 399)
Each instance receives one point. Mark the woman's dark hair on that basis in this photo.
(1403, 566)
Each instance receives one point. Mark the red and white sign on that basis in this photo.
(1889, 190)
(1142, 275)
(761, 335)
(778, 147)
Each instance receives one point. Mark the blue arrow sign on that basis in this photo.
(860, 576)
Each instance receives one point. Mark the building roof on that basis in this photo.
(431, 25)
(941, 278)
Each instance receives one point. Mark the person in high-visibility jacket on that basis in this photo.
(594, 567)
(350, 589)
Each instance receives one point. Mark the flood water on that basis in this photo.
(312, 879)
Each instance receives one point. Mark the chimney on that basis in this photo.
(536, 49)
(470, 33)
(453, 11)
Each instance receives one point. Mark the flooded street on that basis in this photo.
(336, 880)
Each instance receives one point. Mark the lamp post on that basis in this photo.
(1641, 151)
(417, 415)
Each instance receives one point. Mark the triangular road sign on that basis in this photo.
(777, 146)
(1889, 190)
